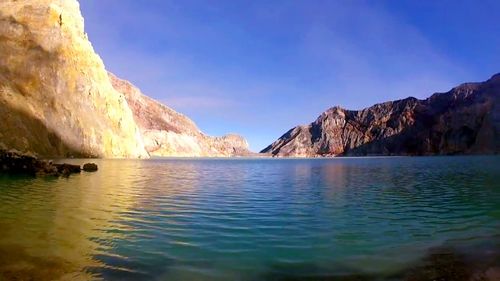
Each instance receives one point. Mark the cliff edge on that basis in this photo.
(56, 99)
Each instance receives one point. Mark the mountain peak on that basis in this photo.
(495, 77)
(446, 123)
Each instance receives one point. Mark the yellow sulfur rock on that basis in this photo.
(55, 95)
(169, 133)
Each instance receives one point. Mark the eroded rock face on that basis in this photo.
(465, 120)
(169, 133)
(56, 99)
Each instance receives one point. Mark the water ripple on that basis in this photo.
(241, 219)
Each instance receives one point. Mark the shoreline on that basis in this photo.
(269, 157)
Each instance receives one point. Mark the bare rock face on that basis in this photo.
(169, 133)
(465, 120)
(55, 95)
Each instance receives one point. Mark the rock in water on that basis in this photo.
(465, 120)
(169, 133)
(67, 169)
(14, 162)
(90, 167)
(56, 99)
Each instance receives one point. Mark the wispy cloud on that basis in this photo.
(260, 67)
(199, 103)
(374, 56)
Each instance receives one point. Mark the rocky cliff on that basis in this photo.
(169, 133)
(55, 95)
(465, 120)
(57, 100)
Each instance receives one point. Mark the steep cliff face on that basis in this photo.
(55, 95)
(169, 133)
(465, 120)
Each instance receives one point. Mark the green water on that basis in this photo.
(249, 219)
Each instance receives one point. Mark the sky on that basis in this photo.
(258, 68)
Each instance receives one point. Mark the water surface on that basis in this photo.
(250, 219)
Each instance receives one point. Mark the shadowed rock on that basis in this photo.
(67, 169)
(13, 162)
(16, 263)
(465, 120)
(90, 167)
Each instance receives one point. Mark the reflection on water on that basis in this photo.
(261, 219)
(53, 228)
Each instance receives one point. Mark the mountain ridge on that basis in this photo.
(167, 132)
(388, 128)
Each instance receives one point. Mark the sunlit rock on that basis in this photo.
(55, 95)
(169, 133)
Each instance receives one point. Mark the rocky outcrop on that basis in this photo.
(56, 99)
(90, 167)
(16, 163)
(465, 120)
(169, 133)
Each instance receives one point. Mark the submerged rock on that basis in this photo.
(445, 263)
(90, 167)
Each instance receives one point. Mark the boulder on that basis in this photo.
(67, 169)
(90, 167)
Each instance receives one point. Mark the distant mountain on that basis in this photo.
(169, 133)
(465, 120)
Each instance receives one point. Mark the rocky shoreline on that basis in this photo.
(15, 163)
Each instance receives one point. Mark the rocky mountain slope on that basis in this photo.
(57, 100)
(465, 120)
(169, 133)
(55, 95)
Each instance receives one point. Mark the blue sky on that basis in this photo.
(258, 68)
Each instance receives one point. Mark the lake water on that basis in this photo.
(253, 219)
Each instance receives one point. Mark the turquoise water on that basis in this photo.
(249, 219)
